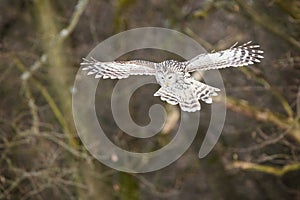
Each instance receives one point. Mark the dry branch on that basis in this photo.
(55, 109)
(267, 22)
(58, 39)
(265, 168)
(265, 115)
(273, 90)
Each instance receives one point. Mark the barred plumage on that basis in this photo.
(117, 69)
(177, 86)
(235, 56)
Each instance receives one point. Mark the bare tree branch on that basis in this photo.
(264, 168)
(63, 34)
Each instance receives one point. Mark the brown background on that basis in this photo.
(257, 156)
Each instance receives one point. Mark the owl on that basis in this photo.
(177, 84)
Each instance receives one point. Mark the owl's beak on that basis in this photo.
(167, 83)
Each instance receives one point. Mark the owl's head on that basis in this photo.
(169, 72)
(166, 79)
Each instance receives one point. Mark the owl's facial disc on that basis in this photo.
(169, 79)
(166, 78)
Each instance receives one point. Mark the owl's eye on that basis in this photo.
(170, 77)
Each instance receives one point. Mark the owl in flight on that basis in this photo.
(177, 85)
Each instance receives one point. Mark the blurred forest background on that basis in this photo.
(42, 43)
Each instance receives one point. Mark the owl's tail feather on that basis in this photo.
(167, 95)
(204, 92)
(189, 104)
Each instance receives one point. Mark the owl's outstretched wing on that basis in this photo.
(233, 57)
(187, 94)
(117, 69)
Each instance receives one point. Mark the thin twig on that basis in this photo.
(33, 108)
(265, 143)
(63, 34)
(155, 190)
(62, 144)
(58, 114)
